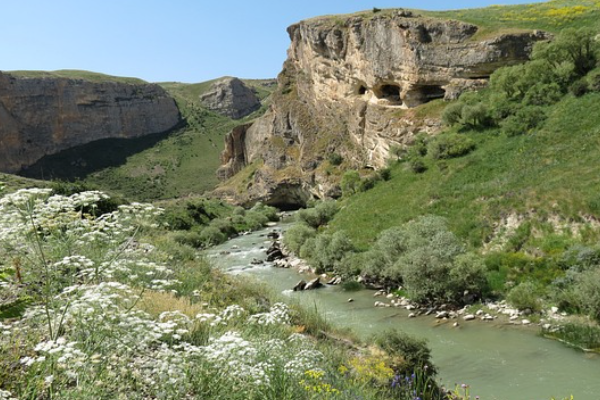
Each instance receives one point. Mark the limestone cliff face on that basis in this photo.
(41, 116)
(230, 97)
(351, 86)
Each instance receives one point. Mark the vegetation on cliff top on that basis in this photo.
(77, 74)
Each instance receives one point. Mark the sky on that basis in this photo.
(169, 40)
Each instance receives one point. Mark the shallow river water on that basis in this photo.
(499, 362)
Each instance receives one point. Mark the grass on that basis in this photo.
(550, 172)
(582, 336)
(551, 16)
(12, 183)
(76, 74)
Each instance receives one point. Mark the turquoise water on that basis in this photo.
(499, 362)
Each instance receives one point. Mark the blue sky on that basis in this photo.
(169, 40)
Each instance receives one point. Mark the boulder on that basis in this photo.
(299, 286)
(230, 97)
(313, 284)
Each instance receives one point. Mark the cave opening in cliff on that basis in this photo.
(362, 90)
(427, 93)
(389, 92)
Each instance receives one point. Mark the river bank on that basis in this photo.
(500, 360)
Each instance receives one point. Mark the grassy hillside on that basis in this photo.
(552, 171)
(551, 16)
(12, 183)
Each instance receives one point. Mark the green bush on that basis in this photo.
(475, 115)
(579, 88)
(524, 121)
(525, 296)
(335, 159)
(385, 174)
(450, 145)
(319, 215)
(587, 288)
(413, 353)
(468, 274)
(417, 165)
(330, 250)
(350, 183)
(295, 237)
(212, 235)
(452, 114)
(594, 80)
(578, 47)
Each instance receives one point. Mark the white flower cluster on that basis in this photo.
(278, 314)
(86, 327)
(5, 395)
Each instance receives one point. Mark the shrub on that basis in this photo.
(594, 80)
(524, 296)
(452, 114)
(576, 46)
(411, 353)
(335, 159)
(211, 235)
(587, 288)
(525, 120)
(385, 174)
(351, 286)
(295, 237)
(579, 88)
(475, 115)
(450, 145)
(417, 165)
(468, 274)
(543, 94)
(330, 250)
(350, 183)
(318, 216)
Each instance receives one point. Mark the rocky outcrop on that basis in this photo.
(353, 86)
(42, 116)
(230, 97)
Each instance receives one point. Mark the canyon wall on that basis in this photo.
(42, 116)
(356, 86)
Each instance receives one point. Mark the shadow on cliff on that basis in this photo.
(80, 161)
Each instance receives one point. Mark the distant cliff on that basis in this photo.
(352, 86)
(44, 115)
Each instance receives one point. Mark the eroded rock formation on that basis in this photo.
(230, 97)
(42, 116)
(351, 85)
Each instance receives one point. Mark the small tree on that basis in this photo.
(350, 183)
(577, 46)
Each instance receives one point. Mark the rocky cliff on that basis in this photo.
(230, 97)
(355, 86)
(41, 116)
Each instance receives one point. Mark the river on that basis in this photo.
(499, 362)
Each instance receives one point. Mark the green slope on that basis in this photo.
(551, 172)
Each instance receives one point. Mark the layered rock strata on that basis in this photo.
(357, 85)
(42, 116)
